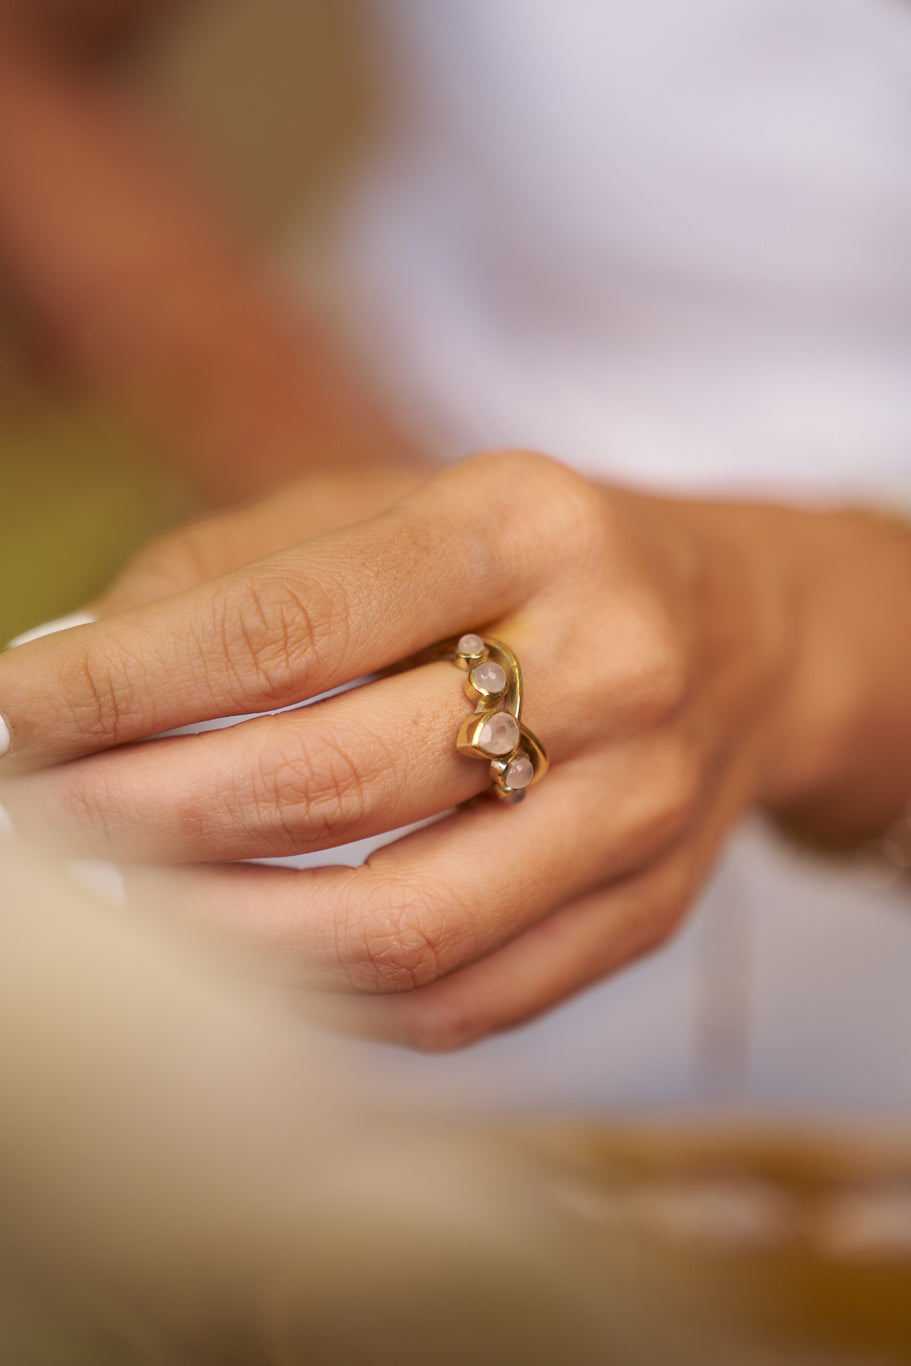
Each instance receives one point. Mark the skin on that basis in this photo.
(684, 662)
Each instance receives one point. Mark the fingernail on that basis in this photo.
(50, 627)
(4, 737)
(100, 879)
(7, 829)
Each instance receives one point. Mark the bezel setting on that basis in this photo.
(517, 769)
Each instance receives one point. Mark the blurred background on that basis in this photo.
(272, 102)
(773, 1242)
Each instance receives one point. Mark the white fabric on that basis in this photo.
(669, 241)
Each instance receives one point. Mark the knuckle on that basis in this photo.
(551, 513)
(342, 792)
(308, 792)
(101, 698)
(660, 666)
(397, 939)
(272, 630)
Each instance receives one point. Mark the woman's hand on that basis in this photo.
(664, 651)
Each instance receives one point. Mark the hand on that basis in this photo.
(659, 640)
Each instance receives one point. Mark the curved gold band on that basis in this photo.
(494, 731)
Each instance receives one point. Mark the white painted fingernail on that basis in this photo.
(50, 627)
(104, 880)
(7, 829)
(4, 737)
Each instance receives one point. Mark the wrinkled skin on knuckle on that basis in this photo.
(396, 937)
(306, 790)
(270, 632)
(99, 696)
(348, 785)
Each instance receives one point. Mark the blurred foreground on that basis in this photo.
(189, 1173)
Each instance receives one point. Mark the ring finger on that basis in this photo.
(352, 766)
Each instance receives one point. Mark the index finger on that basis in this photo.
(281, 630)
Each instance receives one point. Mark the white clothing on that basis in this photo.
(667, 241)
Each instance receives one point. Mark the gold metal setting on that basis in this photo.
(494, 731)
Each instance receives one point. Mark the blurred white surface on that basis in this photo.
(664, 241)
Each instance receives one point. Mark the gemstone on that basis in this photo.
(500, 734)
(470, 645)
(489, 676)
(520, 772)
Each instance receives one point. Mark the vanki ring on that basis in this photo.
(494, 731)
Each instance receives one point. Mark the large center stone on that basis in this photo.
(500, 734)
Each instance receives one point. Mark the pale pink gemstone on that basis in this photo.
(500, 734)
(520, 772)
(489, 676)
(470, 645)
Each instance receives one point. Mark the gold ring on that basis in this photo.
(494, 732)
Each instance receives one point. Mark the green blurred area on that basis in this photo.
(81, 489)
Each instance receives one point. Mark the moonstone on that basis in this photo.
(470, 645)
(500, 734)
(520, 772)
(489, 676)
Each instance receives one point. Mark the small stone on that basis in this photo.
(489, 676)
(520, 772)
(470, 645)
(500, 734)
